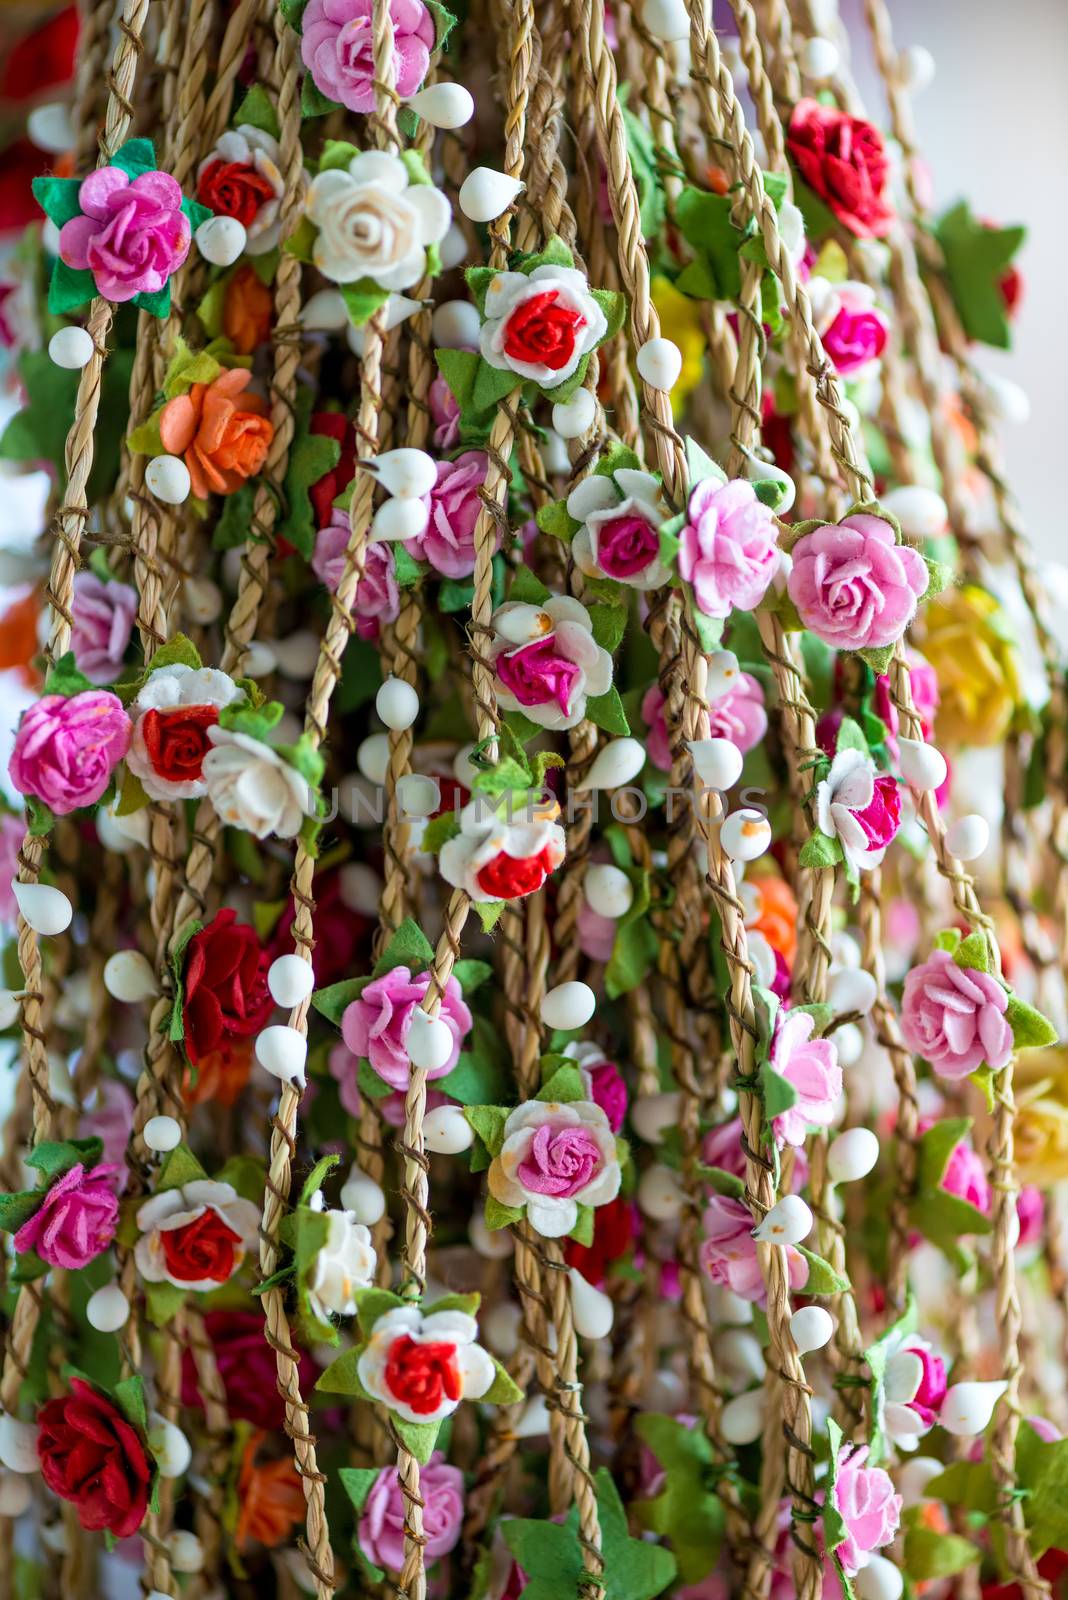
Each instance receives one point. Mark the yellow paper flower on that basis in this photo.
(1041, 1139)
(680, 321)
(978, 672)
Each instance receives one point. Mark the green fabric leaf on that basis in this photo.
(130, 1394)
(503, 1391)
(145, 440)
(69, 288)
(614, 305)
(58, 198)
(819, 218)
(419, 1437)
(822, 1278)
(15, 1209)
(634, 951)
(471, 975)
(444, 22)
(929, 1554)
(179, 1167)
(311, 457)
(38, 431)
(501, 1216)
(642, 149)
(778, 1092)
(582, 1232)
(313, 103)
(39, 817)
(941, 1217)
(178, 651)
(489, 913)
(371, 1304)
(157, 305)
(341, 1376)
(1030, 1029)
(528, 589)
(135, 157)
(977, 257)
(834, 1528)
(820, 851)
(688, 1513)
(609, 625)
(562, 1086)
(409, 947)
(234, 525)
(555, 520)
(362, 300)
(333, 1001)
(163, 1301)
(64, 678)
(473, 1081)
(705, 222)
(974, 952)
(52, 1158)
(878, 660)
(256, 111)
(357, 1483)
(491, 386)
(488, 1122)
(606, 711)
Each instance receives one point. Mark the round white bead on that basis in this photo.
(879, 1580)
(485, 193)
(49, 128)
(325, 312)
(71, 348)
(221, 240)
(569, 1005)
(609, 892)
(16, 1494)
(454, 248)
(717, 762)
(923, 766)
(968, 1407)
(493, 1244)
(849, 1042)
(914, 1476)
(851, 989)
(666, 19)
(259, 659)
(811, 1328)
(409, 474)
(739, 1355)
(418, 795)
(499, 1328)
(534, 1419)
(444, 105)
(852, 1155)
(372, 757)
(163, 1134)
(819, 59)
(917, 67)
(397, 704)
(46, 910)
(429, 1042)
(921, 512)
(456, 325)
(290, 979)
(447, 1131)
(361, 887)
(18, 1445)
(167, 477)
(283, 1052)
(203, 599)
(591, 1311)
(745, 835)
(9, 1007)
(788, 1222)
(724, 671)
(128, 976)
(169, 1445)
(659, 362)
(1008, 402)
(659, 1193)
(399, 519)
(574, 417)
(361, 1195)
(652, 1115)
(187, 1552)
(742, 1419)
(297, 655)
(968, 837)
(614, 765)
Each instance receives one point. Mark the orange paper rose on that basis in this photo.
(247, 308)
(270, 1497)
(220, 431)
(776, 917)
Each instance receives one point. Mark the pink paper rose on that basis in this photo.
(722, 1147)
(857, 333)
(76, 1220)
(964, 1177)
(1030, 1210)
(444, 414)
(596, 934)
(336, 48)
(12, 830)
(929, 1393)
(955, 1017)
(811, 1067)
(376, 1025)
(109, 1118)
(381, 1527)
(377, 594)
(728, 549)
(132, 235)
(658, 742)
(853, 587)
(104, 615)
(860, 810)
(729, 1251)
(554, 1158)
(67, 748)
(865, 1499)
(739, 714)
(448, 541)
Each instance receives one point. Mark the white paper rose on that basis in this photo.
(540, 325)
(555, 1158)
(171, 717)
(252, 787)
(858, 808)
(196, 1236)
(620, 533)
(247, 146)
(345, 1263)
(422, 1366)
(494, 858)
(373, 222)
(546, 660)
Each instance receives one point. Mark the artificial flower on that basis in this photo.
(76, 1219)
(494, 858)
(132, 234)
(771, 910)
(12, 832)
(196, 1236)
(247, 1366)
(241, 178)
(965, 1176)
(914, 1386)
(220, 431)
(620, 533)
(344, 1263)
(810, 1067)
(94, 1457)
(384, 1516)
(853, 330)
(103, 619)
(66, 748)
(251, 786)
(541, 324)
(727, 548)
(658, 739)
(270, 1498)
(966, 641)
(377, 597)
(373, 222)
(171, 716)
(546, 660)
(738, 714)
(605, 1084)
(868, 1505)
(248, 306)
(375, 1025)
(555, 1158)
(453, 505)
(1041, 1138)
(954, 1017)
(336, 48)
(860, 810)
(422, 1365)
(615, 1228)
(843, 160)
(729, 1252)
(854, 587)
(225, 995)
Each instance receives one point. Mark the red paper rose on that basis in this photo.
(246, 1366)
(332, 425)
(508, 877)
(177, 740)
(234, 189)
(92, 1456)
(843, 160)
(542, 331)
(202, 1249)
(423, 1375)
(614, 1229)
(226, 995)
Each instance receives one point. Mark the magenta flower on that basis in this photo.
(67, 748)
(12, 830)
(132, 234)
(965, 1178)
(76, 1220)
(444, 414)
(537, 674)
(853, 586)
(728, 549)
(377, 593)
(739, 714)
(658, 742)
(608, 1090)
(381, 1527)
(864, 1498)
(858, 809)
(104, 615)
(336, 48)
(376, 1025)
(729, 1251)
(955, 1017)
(1030, 1210)
(448, 541)
(811, 1067)
(857, 333)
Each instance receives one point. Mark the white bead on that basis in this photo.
(325, 312)
(71, 348)
(18, 1445)
(499, 1328)
(1008, 402)
(608, 890)
(259, 659)
(397, 704)
(187, 1552)
(429, 1042)
(49, 128)
(666, 19)
(128, 976)
(9, 1007)
(399, 519)
(115, 833)
(162, 1134)
(407, 473)
(485, 193)
(46, 910)
(923, 766)
(221, 240)
(921, 512)
(659, 1194)
(454, 248)
(444, 105)
(851, 989)
(717, 762)
(614, 765)
(169, 1445)
(742, 1419)
(298, 655)
(290, 979)
(447, 1131)
(788, 1222)
(591, 1311)
(652, 1115)
(167, 477)
(811, 1328)
(283, 1052)
(852, 1155)
(203, 600)
(361, 887)
(574, 417)
(819, 59)
(879, 1580)
(724, 671)
(849, 1042)
(361, 1195)
(569, 1005)
(15, 1494)
(745, 835)
(372, 757)
(968, 837)
(915, 1475)
(740, 1356)
(968, 1407)
(493, 1244)
(534, 1419)
(418, 795)
(659, 362)
(456, 325)
(917, 68)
